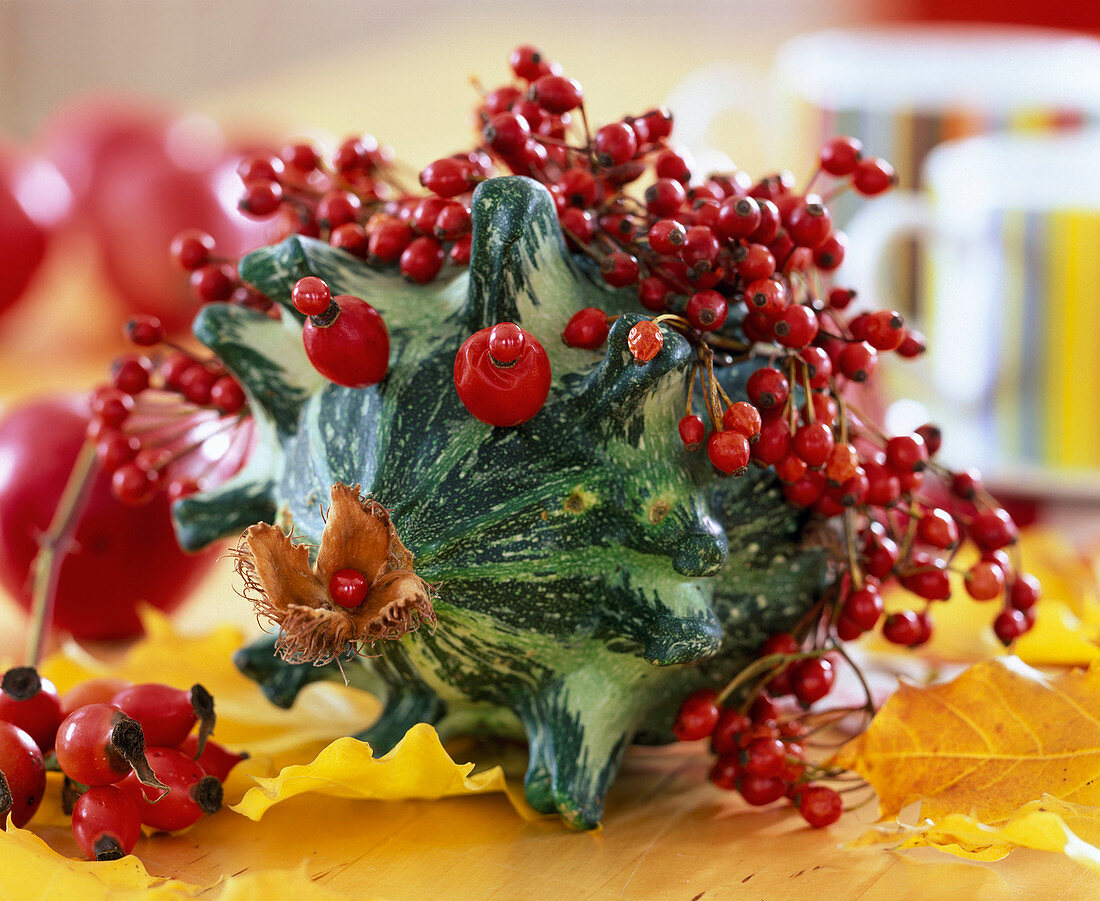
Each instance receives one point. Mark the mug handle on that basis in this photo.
(871, 231)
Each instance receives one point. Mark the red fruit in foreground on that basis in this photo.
(22, 770)
(215, 760)
(191, 791)
(351, 348)
(31, 703)
(819, 805)
(98, 744)
(502, 391)
(166, 714)
(106, 823)
(122, 555)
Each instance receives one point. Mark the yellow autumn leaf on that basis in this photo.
(1046, 824)
(417, 767)
(998, 736)
(29, 868)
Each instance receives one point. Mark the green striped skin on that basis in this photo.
(590, 571)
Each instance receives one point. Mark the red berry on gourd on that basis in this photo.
(645, 340)
(348, 343)
(106, 823)
(502, 375)
(31, 703)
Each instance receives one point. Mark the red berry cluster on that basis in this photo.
(759, 753)
(168, 420)
(127, 752)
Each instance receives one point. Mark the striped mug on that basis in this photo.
(1009, 228)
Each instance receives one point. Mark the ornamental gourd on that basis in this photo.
(584, 571)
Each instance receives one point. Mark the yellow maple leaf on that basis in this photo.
(1046, 824)
(996, 737)
(417, 767)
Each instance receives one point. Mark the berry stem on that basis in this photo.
(53, 546)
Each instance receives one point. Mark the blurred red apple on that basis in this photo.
(140, 173)
(23, 236)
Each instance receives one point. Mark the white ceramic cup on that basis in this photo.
(903, 90)
(1009, 229)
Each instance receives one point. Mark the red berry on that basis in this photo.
(31, 703)
(738, 217)
(928, 579)
(167, 714)
(857, 361)
(387, 237)
(506, 132)
(260, 199)
(767, 389)
(829, 254)
(864, 607)
(213, 283)
(906, 453)
(932, 436)
(873, 176)
(692, 431)
(348, 588)
(880, 555)
(902, 628)
(760, 790)
(192, 248)
(770, 222)
(619, 269)
(775, 441)
(728, 452)
(700, 250)
(130, 373)
(765, 757)
(556, 94)
(22, 776)
(191, 792)
(813, 442)
(697, 716)
(227, 395)
(937, 527)
(614, 144)
(134, 485)
(966, 484)
(756, 263)
(310, 296)
(215, 760)
(106, 823)
(350, 348)
(706, 310)
(796, 327)
(768, 295)
(984, 580)
(743, 417)
(992, 529)
(528, 62)
(812, 679)
(841, 155)
(1023, 593)
(337, 208)
(144, 330)
(819, 805)
(645, 340)
(669, 164)
(726, 771)
(586, 328)
(727, 733)
(448, 177)
(809, 224)
(883, 329)
(502, 392)
(422, 259)
(667, 236)
(1010, 624)
(912, 346)
(196, 382)
(98, 744)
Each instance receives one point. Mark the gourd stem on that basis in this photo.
(53, 547)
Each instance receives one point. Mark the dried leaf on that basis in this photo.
(284, 589)
(998, 736)
(1046, 824)
(417, 767)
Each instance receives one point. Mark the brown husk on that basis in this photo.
(293, 595)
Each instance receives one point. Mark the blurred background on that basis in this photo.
(121, 121)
